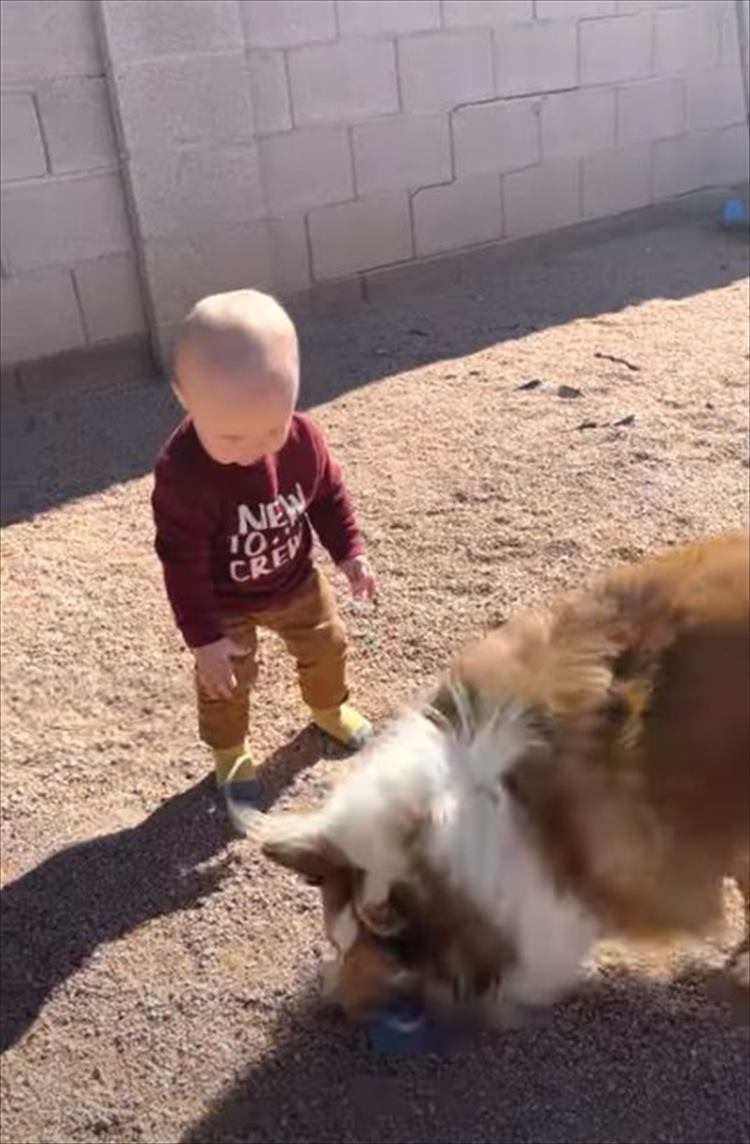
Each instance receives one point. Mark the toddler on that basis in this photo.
(239, 488)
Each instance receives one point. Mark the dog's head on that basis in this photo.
(378, 939)
(396, 853)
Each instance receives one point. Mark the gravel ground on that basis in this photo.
(156, 976)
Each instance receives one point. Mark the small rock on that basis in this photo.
(625, 421)
(588, 425)
(527, 385)
(568, 392)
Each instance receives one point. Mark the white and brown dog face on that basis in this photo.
(378, 947)
(428, 882)
(416, 936)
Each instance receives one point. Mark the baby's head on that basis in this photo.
(236, 373)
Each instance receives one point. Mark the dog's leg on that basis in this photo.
(522, 1000)
(528, 992)
(739, 965)
(498, 1010)
(553, 957)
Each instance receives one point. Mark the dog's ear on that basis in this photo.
(297, 841)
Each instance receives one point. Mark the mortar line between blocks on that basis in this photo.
(79, 303)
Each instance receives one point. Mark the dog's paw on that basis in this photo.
(589, 981)
(502, 1012)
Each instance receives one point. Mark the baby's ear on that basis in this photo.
(177, 391)
(297, 842)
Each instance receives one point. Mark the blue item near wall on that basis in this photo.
(733, 215)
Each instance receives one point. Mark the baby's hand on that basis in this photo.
(360, 576)
(214, 666)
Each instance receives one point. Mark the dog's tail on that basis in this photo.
(244, 801)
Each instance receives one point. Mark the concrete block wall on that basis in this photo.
(68, 271)
(403, 130)
(294, 144)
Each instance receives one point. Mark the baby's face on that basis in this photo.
(238, 424)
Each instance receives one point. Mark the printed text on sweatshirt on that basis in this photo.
(239, 538)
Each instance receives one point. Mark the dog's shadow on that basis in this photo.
(54, 917)
(630, 1062)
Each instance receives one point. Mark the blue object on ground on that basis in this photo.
(734, 215)
(403, 1029)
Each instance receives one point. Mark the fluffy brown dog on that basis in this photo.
(581, 773)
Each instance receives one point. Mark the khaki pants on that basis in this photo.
(314, 634)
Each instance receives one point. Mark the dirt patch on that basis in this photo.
(154, 971)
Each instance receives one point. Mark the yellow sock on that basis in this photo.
(236, 762)
(343, 723)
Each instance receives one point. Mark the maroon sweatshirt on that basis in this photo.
(239, 538)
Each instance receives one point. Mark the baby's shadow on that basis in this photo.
(278, 772)
(55, 916)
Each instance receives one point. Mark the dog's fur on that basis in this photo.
(580, 773)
